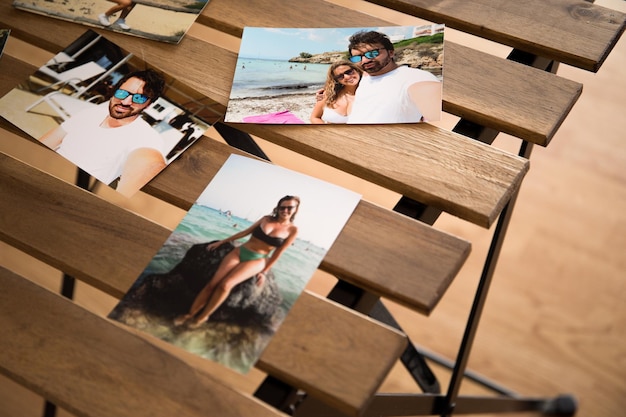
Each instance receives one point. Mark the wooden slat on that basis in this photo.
(412, 160)
(577, 33)
(67, 238)
(500, 94)
(92, 367)
(522, 101)
(474, 91)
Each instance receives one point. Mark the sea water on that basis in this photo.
(266, 78)
(203, 224)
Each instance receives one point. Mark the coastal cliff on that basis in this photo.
(423, 55)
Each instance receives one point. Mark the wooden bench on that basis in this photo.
(341, 357)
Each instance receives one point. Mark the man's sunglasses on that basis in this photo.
(137, 98)
(344, 74)
(369, 55)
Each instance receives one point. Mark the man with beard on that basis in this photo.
(389, 93)
(111, 141)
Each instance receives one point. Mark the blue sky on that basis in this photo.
(250, 189)
(285, 43)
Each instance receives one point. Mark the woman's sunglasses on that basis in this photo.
(369, 55)
(137, 98)
(343, 74)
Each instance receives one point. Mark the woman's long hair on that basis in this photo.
(332, 87)
(286, 198)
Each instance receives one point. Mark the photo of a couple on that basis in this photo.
(339, 75)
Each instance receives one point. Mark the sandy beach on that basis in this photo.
(300, 105)
(152, 21)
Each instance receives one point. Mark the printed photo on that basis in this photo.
(109, 113)
(338, 75)
(228, 275)
(161, 20)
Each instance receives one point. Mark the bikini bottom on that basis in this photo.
(246, 254)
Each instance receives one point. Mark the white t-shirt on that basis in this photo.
(102, 152)
(385, 98)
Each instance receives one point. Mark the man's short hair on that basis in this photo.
(369, 38)
(154, 82)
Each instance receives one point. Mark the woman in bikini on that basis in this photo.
(341, 83)
(270, 237)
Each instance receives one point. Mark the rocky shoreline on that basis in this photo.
(428, 56)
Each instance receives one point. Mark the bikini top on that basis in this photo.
(332, 116)
(270, 240)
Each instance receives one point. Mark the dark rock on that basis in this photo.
(170, 294)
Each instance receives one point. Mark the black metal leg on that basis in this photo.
(49, 409)
(279, 394)
(481, 296)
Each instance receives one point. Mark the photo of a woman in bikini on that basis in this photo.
(270, 236)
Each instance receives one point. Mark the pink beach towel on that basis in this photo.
(281, 117)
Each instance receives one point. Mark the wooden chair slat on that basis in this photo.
(343, 364)
(470, 91)
(92, 367)
(67, 237)
(576, 33)
(521, 101)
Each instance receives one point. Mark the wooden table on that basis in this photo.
(91, 366)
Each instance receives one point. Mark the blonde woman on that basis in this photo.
(270, 236)
(342, 81)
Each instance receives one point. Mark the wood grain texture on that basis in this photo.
(473, 91)
(94, 368)
(57, 226)
(522, 101)
(355, 361)
(486, 90)
(577, 33)
(67, 237)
